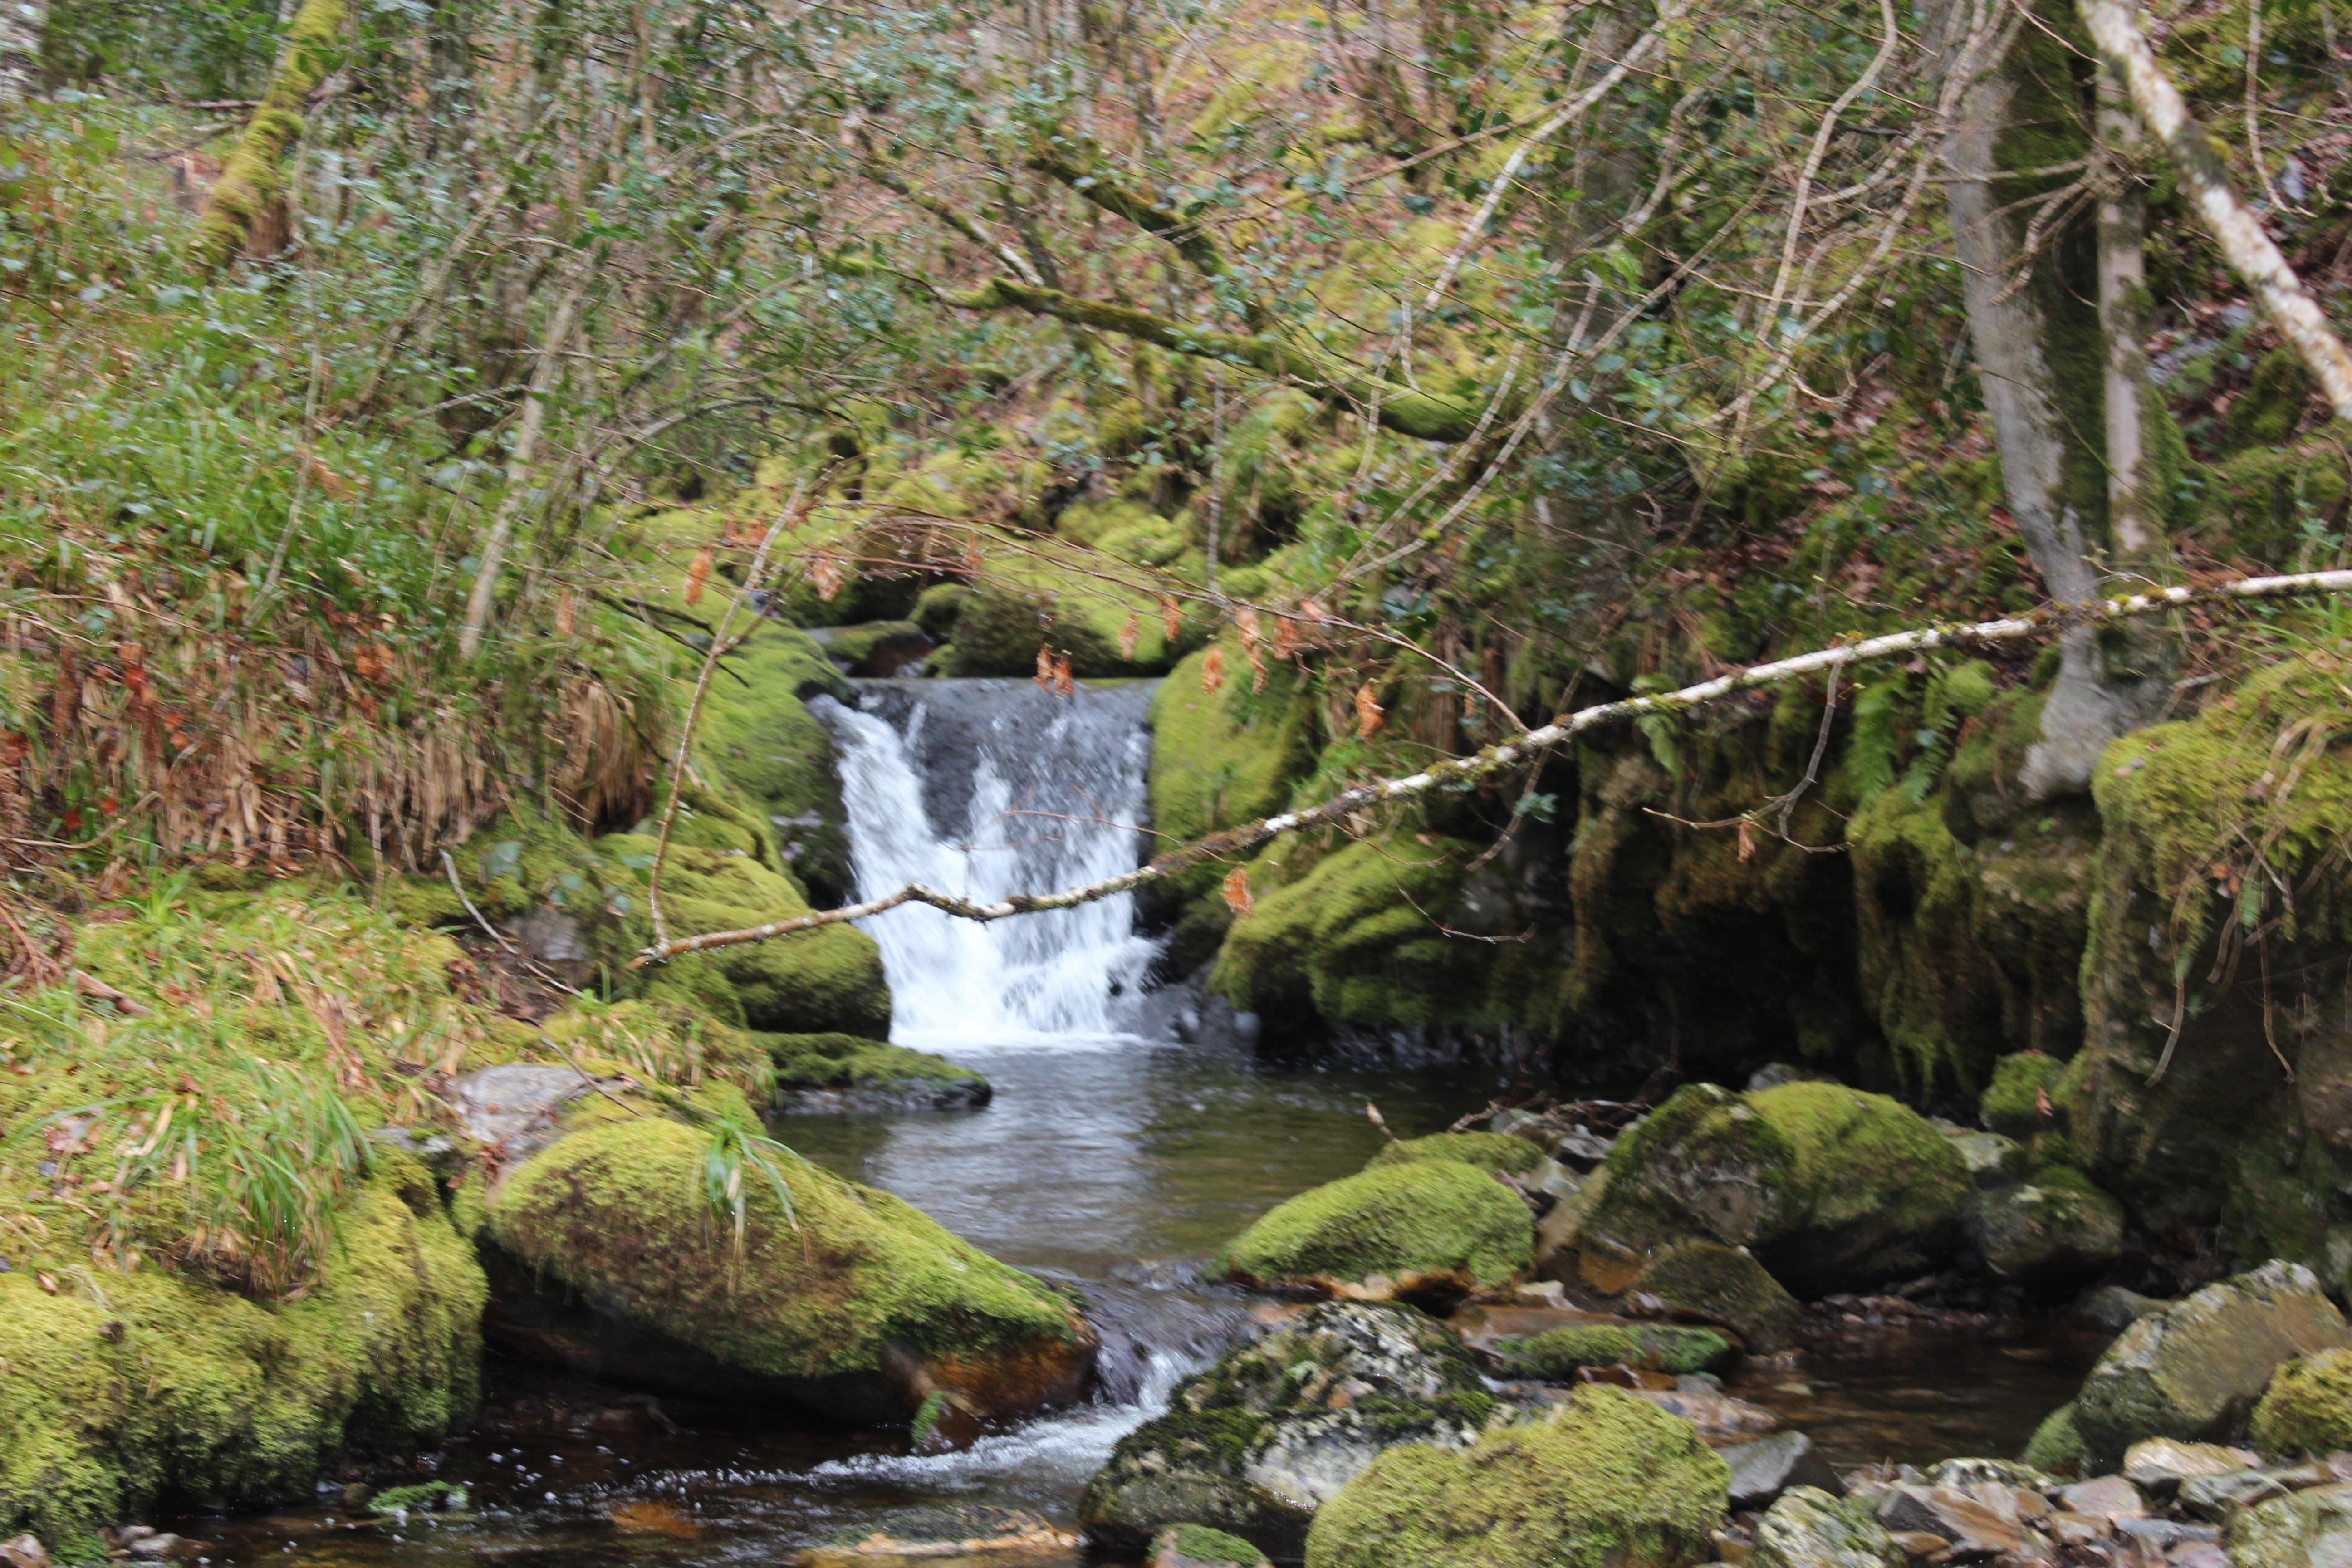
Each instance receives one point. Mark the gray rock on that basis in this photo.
(2164, 1533)
(2104, 1496)
(1807, 1528)
(1258, 1444)
(2192, 1371)
(1761, 1469)
(2162, 1464)
(511, 1110)
(2111, 1309)
(2303, 1529)
(1992, 1159)
(2002, 1472)
(2215, 1497)
(2051, 1231)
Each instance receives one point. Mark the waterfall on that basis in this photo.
(982, 788)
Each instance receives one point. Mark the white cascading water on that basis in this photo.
(1044, 793)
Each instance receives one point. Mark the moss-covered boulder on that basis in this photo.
(1562, 1352)
(2018, 1103)
(1198, 1546)
(2057, 1444)
(1830, 1188)
(121, 1388)
(842, 1072)
(1255, 1445)
(2308, 1409)
(1417, 1227)
(1605, 1481)
(1703, 1282)
(760, 734)
(848, 1302)
(2303, 1530)
(2052, 1230)
(2194, 1370)
(1480, 1151)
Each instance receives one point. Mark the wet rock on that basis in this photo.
(2198, 1554)
(1830, 1188)
(2105, 1497)
(1418, 1228)
(1198, 1546)
(1255, 1445)
(1559, 1352)
(2056, 1447)
(2160, 1463)
(2308, 1409)
(836, 1073)
(1992, 1160)
(1808, 1528)
(1986, 1519)
(610, 1260)
(1762, 1468)
(2164, 1535)
(2055, 1228)
(2069, 1529)
(2111, 1309)
(2215, 1497)
(2194, 1369)
(1720, 1419)
(958, 1535)
(2303, 1529)
(512, 1110)
(25, 1552)
(1600, 1477)
(1701, 1281)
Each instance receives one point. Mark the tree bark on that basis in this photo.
(2034, 323)
(22, 24)
(249, 187)
(2132, 510)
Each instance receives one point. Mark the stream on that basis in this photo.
(1114, 1156)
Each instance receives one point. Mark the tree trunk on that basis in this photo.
(250, 189)
(2132, 508)
(2031, 296)
(23, 24)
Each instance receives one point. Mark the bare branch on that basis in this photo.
(1502, 758)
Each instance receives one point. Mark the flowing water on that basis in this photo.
(1112, 1156)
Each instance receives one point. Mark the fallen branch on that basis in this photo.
(2236, 227)
(1503, 757)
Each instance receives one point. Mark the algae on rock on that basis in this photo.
(1416, 1226)
(2308, 1409)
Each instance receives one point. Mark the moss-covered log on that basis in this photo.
(249, 187)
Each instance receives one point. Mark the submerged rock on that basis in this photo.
(1255, 1445)
(1415, 1228)
(2194, 1369)
(1808, 1528)
(1602, 1481)
(1829, 1187)
(2308, 1409)
(850, 1303)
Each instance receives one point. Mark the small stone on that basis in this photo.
(2165, 1462)
(1975, 1526)
(1761, 1468)
(2105, 1497)
(2164, 1533)
(2068, 1529)
(2213, 1496)
(1920, 1543)
(2005, 1472)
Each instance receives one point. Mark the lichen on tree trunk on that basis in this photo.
(250, 187)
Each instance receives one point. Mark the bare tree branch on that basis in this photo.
(1504, 757)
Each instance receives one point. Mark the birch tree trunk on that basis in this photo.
(23, 24)
(2132, 510)
(2033, 317)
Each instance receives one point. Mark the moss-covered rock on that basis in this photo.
(2308, 1409)
(1228, 756)
(851, 1301)
(2194, 1370)
(1198, 1546)
(1831, 1188)
(1605, 1481)
(2301, 1530)
(2021, 1085)
(1808, 1528)
(1712, 1283)
(2057, 1444)
(1480, 1151)
(123, 1388)
(1258, 1444)
(836, 1072)
(2052, 1230)
(1415, 1228)
(1655, 1347)
(760, 734)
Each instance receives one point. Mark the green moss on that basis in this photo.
(424, 1497)
(2011, 1103)
(615, 1211)
(841, 1061)
(1229, 756)
(1656, 1347)
(2308, 1409)
(1197, 1544)
(1724, 1285)
(1420, 1219)
(760, 734)
(663, 1042)
(1483, 1150)
(2056, 1447)
(1605, 1480)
